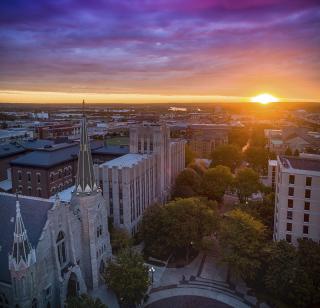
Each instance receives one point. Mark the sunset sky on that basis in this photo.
(159, 50)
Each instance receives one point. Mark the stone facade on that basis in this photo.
(135, 181)
(59, 249)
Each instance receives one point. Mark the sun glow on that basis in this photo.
(264, 99)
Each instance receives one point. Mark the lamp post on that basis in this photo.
(151, 270)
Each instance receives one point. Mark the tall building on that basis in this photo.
(297, 205)
(143, 177)
(55, 249)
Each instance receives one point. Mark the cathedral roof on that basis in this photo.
(85, 180)
(34, 215)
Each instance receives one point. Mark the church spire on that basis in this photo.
(22, 253)
(85, 180)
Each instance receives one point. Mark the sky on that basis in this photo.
(159, 50)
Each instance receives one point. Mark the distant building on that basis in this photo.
(52, 168)
(204, 138)
(51, 250)
(297, 205)
(272, 166)
(143, 177)
(14, 134)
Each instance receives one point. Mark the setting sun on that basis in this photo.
(264, 99)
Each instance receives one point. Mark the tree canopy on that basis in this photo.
(120, 239)
(189, 155)
(216, 181)
(84, 301)
(128, 277)
(257, 157)
(241, 239)
(177, 224)
(187, 184)
(227, 155)
(246, 183)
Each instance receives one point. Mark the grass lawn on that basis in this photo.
(118, 141)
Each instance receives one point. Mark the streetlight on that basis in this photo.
(151, 270)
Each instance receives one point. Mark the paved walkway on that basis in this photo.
(205, 276)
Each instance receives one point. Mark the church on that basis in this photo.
(50, 250)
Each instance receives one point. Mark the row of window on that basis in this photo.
(306, 205)
(38, 176)
(305, 229)
(65, 172)
(39, 191)
(307, 192)
(306, 217)
(308, 180)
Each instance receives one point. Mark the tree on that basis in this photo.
(296, 152)
(189, 155)
(227, 155)
(288, 151)
(187, 184)
(173, 227)
(84, 301)
(285, 279)
(216, 181)
(241, 238)
(257, 157)
(128, 277)
(246, 183)
(239, 136)
(120, 239)
(200, 168)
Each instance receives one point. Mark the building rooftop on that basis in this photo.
(112, 150)
(127, 160)
(34, 215)
(300, 163)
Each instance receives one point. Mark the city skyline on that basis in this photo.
(164, 51)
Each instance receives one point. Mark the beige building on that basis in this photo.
(297, 205)
(143, 177)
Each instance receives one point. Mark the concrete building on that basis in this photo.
(143, 177)
(272, 166)
(204, 138)
(50, 249)
(297, 205)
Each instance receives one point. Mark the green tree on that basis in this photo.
(284, 278)
(120, 239)
(128, 277)
(242, 238)
(173, 227)
(200, 168)
(257, 157)
(239, 136)
(246, 183)
(187, 184)
(288, 151)
(189, 155)
(84, 301)
(216, 181)
(227, 155)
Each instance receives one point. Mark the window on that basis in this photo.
(29, 191)
(99, 231)
(291, 191)
(39, 192)
(19, 175)
(288, 238)
(308, 181)
(290, 203)
(61, 248)
(307, 206)
(4, 303)
(34, 303)
(305, 229)
(20, 187)
(38, 178)
(307, 193)
(51, 176)
(291, 179)
(306, 217)
(60, 173)
(289, 226)
(28, 176)
(289, 215)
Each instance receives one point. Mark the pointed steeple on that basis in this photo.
(22, 255)
(85, 180)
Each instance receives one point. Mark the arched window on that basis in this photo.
(34, 303)
(61, 248)
(4, 303)
(99, 226)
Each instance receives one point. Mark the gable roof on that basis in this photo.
(34, 215)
